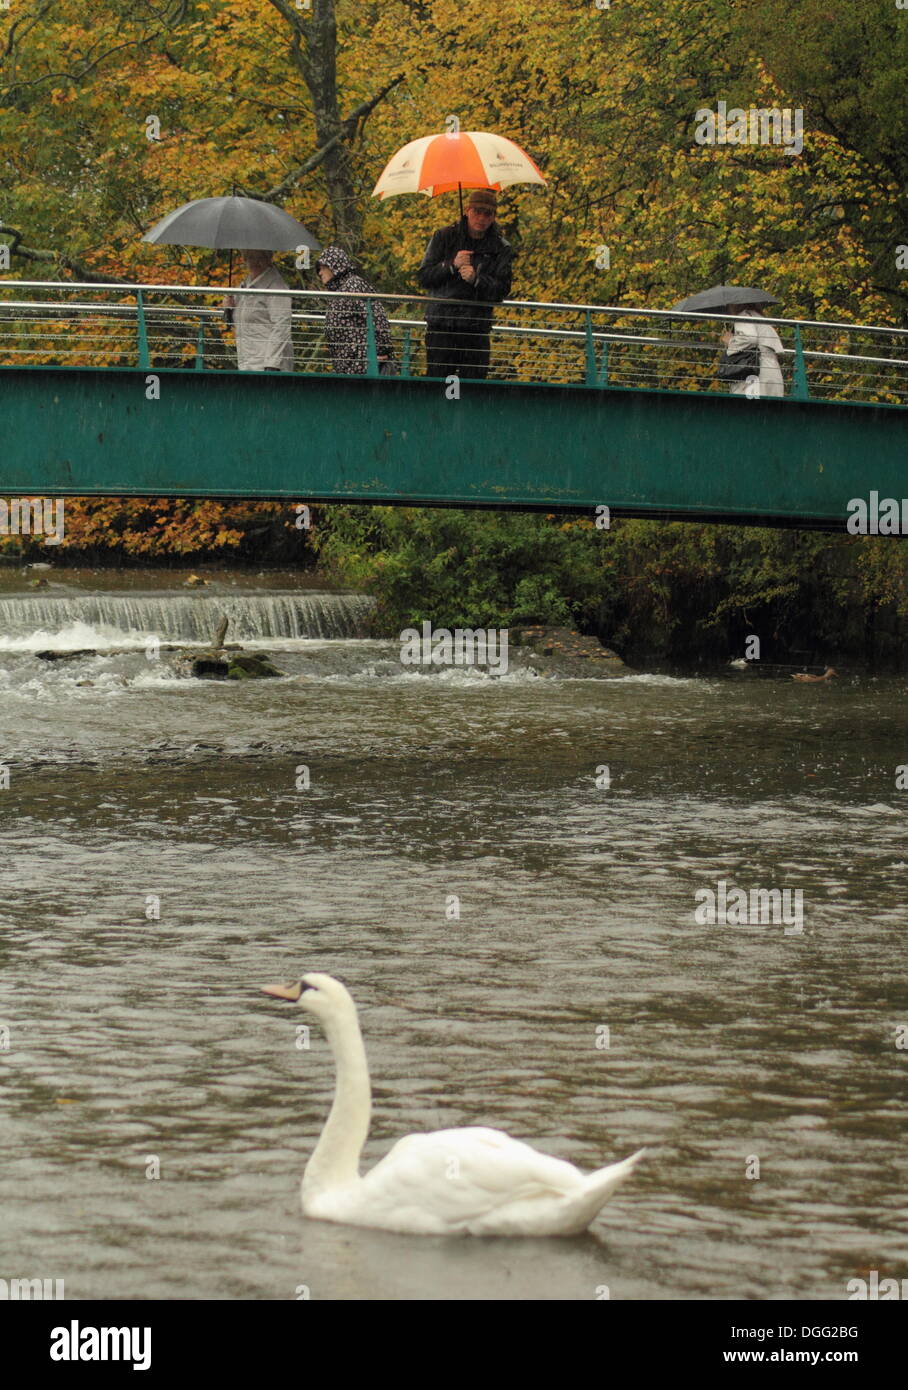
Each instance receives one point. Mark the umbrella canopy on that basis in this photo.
(243, 224)
(720, 296)
(442, 163)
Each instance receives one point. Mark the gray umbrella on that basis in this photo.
(720, 296)
(243, 224)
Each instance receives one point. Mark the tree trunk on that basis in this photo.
(322, 54)
(313, 48)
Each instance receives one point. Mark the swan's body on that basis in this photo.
(453, 1182)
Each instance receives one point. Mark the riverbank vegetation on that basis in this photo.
(673, 590)
(166, 530)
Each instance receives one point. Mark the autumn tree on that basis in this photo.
(304, 107)
(848, 69)
(243, 95)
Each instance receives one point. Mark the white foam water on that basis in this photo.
(28, 623)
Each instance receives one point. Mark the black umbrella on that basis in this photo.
(721, 296)
(243, 224)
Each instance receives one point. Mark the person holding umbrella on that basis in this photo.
(262, 322)
(749, 366)
(763, 344)
(467, 264)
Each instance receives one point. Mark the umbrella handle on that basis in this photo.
(230, 266)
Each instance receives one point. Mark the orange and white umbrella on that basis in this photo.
(470, 158)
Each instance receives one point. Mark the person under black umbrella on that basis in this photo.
(750, 362)
(262, 322)
(763, 343)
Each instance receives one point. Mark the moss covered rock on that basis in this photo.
(245, 666)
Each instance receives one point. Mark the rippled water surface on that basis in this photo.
(132, 1037)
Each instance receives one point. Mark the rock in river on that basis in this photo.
(220, 665)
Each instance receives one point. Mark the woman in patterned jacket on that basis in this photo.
(345, 319)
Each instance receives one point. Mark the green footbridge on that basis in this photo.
(132, 391)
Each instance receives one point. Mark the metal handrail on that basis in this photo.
(560, 334)
(121, 324)
(620, 309)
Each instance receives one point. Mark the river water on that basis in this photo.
(163, 857)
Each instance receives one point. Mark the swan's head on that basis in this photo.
(317, 994)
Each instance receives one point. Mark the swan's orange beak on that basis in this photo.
(289, 993)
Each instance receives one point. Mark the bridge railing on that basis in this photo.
(598, 347)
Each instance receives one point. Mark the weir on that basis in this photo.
(192, 618)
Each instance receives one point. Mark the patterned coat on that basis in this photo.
(345, 319)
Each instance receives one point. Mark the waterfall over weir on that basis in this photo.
(192, 617)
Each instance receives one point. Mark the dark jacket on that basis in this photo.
(493, 257)
(345, 319)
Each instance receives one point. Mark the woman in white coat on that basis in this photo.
(262, 322)
(749, 331)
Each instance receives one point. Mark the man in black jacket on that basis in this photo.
(465, 264)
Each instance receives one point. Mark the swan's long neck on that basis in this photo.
(335, 1161)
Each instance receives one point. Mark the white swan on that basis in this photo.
(454, 1182)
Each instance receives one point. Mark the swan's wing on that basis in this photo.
(457, 1176)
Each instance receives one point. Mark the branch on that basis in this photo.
(296, 22)
(74, 77)
(30, 253)
(36, 19)
(347, 131)
(165, 20)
